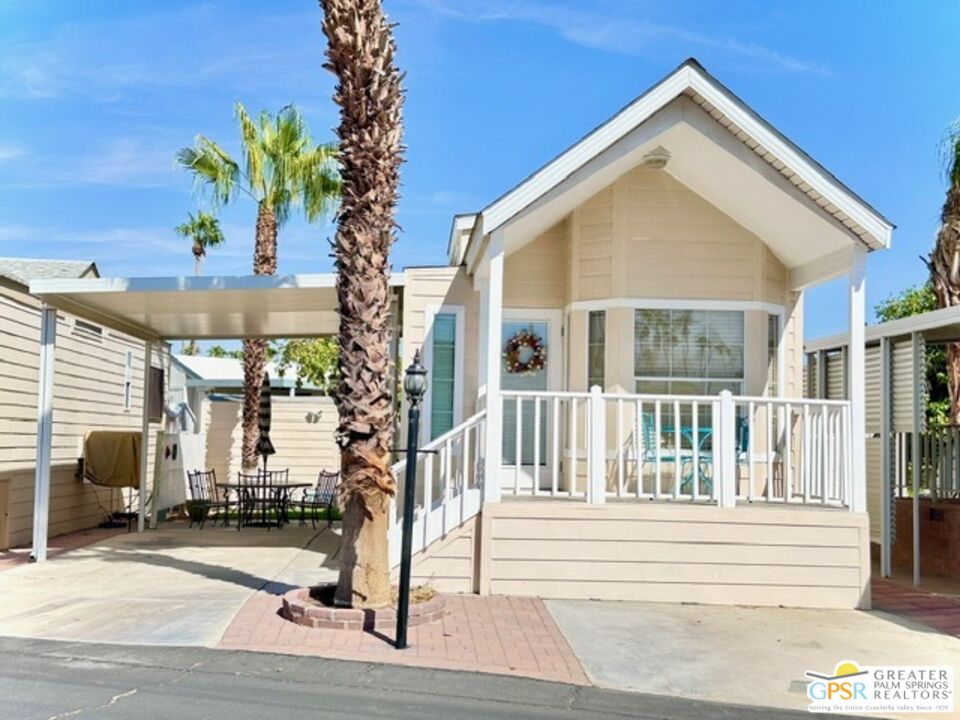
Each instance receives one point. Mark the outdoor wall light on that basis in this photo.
(415, 381)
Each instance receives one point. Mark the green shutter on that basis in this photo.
(442, 374)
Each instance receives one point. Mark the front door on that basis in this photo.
(523, 331)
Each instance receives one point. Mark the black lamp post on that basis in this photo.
(414, 387)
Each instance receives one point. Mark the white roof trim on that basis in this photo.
(924, 323)
(54, 286)
(691, 77)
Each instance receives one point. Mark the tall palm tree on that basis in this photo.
(944, 261)
(360, 52)
(282, 170)
(203, 230)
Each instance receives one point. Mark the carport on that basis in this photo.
(157, 310)
(896, 404)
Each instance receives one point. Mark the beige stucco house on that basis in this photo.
(615, 356)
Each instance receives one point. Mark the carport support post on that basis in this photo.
(144, 437)
(919, 380)
(41, 492)
(886, 483)
(855, 372)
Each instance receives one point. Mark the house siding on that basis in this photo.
(750, 555)
(426, 287)
(88, 395)
(302, 431)
(648, 236)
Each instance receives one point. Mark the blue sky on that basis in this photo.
(96, 97)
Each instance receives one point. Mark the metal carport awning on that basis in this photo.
(202, 308)
(172, 308)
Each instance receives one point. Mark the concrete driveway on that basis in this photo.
(753, 656)
(173, 585)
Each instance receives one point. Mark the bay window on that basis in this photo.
(688, 352)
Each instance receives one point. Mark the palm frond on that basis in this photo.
(319, 180)
(253, 154)
(213, 169)
(950, 153)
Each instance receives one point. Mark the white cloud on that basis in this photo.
(615, 28)
(122, 161)
(10, 151)
(191, 46)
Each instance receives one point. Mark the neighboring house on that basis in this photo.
(914, 507)
(98, 386)
(615, 353)
(302, 430)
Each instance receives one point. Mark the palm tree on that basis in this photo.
(944, 261)
(204, 232)
(282, 170)
(360, 52)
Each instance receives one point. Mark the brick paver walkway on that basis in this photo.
(495, 634)
(940, 612)
(58, 545)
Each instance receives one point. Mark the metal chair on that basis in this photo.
(204, 492)
(262, 494)
(321, 495)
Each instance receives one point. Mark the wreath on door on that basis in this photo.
(525, 353)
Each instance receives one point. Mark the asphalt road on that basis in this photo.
(46, 680)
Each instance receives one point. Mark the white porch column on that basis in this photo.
(491, 366)
(144, 438)
(916, 464)
(857, 389)
(41, 492)
(597, 447)
(886, 466)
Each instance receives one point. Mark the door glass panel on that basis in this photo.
(536, 380)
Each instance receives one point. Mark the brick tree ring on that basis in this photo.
(313, 607)
(525, 353)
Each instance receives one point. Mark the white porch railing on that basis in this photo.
(716, 449)
(449, 486)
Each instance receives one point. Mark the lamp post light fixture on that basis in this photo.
(414, 387)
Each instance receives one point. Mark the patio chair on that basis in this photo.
(262, 498)
(205, 495)
(320, 496)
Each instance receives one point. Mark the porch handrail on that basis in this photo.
(719, 448)
(453, 462)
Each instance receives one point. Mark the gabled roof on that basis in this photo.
(23, 270)
(691, 80)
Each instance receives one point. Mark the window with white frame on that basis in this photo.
(596, 348)
(128, 381)
(688, 352)
(773, 354)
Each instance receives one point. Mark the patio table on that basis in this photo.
(704, 456)
(282, 505)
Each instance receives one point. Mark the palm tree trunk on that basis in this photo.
(944, 264)
(360, 52)
(255, 349)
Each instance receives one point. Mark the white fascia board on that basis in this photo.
(866, 217)
(686, 77)
(79, 286)
(592, 145)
